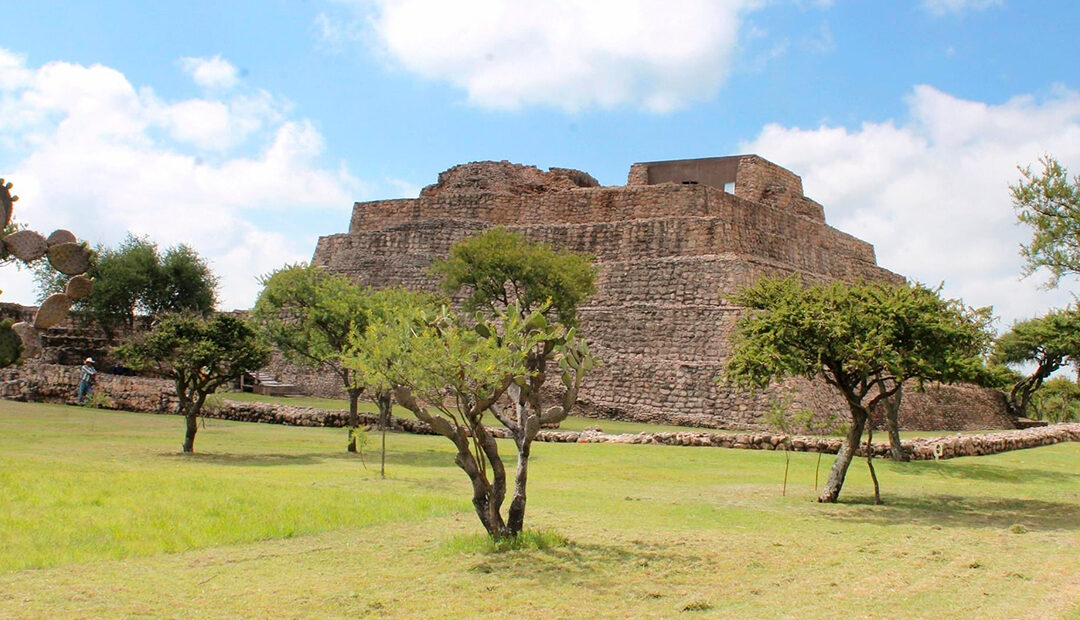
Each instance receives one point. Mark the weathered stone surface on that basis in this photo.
(54, 383)
(669, 245)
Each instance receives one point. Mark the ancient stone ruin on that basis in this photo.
(668, 243)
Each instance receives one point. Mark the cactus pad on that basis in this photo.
(79, 287)
(69, 258)
(6, 206)
(61, 236)
(26, 245)
(10, 344)
(52, 311)
(30, 339)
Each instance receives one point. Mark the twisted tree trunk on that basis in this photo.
(354, 417)
(892, 421)
(843, 458)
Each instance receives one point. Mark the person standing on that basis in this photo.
(86, 379)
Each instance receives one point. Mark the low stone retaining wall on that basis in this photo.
(54, 383)
(921, 449)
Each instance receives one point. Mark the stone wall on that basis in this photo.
(53, 383)
(667, 253)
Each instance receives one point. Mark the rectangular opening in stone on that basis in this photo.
(712, 171)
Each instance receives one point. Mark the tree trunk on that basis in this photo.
(482, 494)
(515, 520)
(870, 462)
(386, 407)
(892, 420)
(192, 421)
(843, 458)
(354, 418)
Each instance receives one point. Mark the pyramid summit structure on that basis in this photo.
(669, 244)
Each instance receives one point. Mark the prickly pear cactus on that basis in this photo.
(10, 345)
(64, 253)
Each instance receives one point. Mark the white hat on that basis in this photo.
(88, 360)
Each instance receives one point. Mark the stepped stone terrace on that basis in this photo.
(669, 243)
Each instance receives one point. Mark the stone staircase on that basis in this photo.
(261, 382)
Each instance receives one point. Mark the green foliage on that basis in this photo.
(1047, 343)
(855, 336)
(1057, 401)
(499, 267)
(433, 353)
(1050, 204)
(781, 417)
(136, 278)
(860, 338)
(199, 354)
(307, 313)
(449, 374)
(99, 400)
(527, 540)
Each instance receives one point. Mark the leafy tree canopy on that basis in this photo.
(449, 374)
(1047, 343)
(864, 339)
(1050, 204)
(499, 267)
(1057, 401)
(199, 354)
(854, 335)
(135, 279)
(307, 313)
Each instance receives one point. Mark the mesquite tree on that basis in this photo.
(865, 340)
(307, 313)
(383, 306)
(449, 373)
(1046, 343)
(498, 269)
(1050, 204)
(199, 355)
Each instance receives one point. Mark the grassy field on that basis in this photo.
(100, 516)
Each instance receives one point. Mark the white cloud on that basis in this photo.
(102, 157)
(942, 7)
(932, 193)
(210, 72)
(568, 54)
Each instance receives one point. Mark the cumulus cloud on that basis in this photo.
(568, 54)
(213, 72)
(931, 193)
(101, 157)
(943, 7)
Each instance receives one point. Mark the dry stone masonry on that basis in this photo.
(668, 244)
(38, 382)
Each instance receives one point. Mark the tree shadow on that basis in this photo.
(371, 458)
(984, 472)
(575, 561)
(964, 511)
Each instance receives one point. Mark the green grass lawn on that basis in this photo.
(101, 516)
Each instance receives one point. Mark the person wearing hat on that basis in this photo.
(86, 379)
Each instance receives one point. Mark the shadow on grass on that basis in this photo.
(371, 457)
(960, 511)
(594, 562)
(985, 472)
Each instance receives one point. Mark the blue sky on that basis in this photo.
(247, 129)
